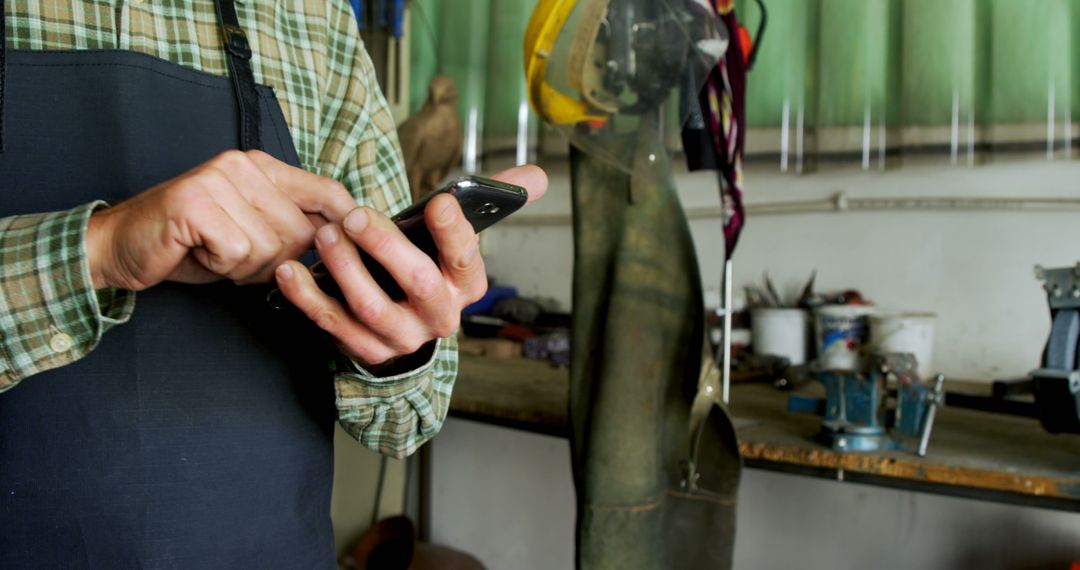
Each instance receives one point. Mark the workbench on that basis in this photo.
(972, 454)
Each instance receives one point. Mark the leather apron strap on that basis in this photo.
(3, 69)
(236, 45)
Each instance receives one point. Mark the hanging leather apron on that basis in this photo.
(653, 491)
(199, 434)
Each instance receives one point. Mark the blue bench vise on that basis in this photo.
(884, 407)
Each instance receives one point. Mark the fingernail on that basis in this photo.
(356, 221)
(284, 272)
(327, 235)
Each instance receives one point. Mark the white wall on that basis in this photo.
(506, 497)
(974, 269)
(356, 473)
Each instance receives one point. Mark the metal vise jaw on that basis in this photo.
(1057, 384)
(882, 408)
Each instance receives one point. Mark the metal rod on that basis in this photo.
(928, 424)
(726, 366)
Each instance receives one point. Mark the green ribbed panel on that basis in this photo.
(784, 72)
(463, 41)
(425, 23)
(506, 94)
(912, 61)
(921, 63)
(939, 61)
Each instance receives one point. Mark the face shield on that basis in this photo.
(595, 67)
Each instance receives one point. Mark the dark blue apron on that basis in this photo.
(198, 435)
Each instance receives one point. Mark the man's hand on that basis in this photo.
(372, 328)
(237, 217)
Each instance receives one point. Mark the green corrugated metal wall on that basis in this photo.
(907, 62)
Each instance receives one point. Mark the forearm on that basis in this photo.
(396, 415)
(50, 312)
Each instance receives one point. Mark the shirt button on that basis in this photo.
(61, 342)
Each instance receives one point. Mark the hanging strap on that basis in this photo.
(3, 67)
(247, 98)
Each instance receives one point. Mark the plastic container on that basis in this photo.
(780, 332)
(906, 332)
(842, 332)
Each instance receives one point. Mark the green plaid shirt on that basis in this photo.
(311, 54)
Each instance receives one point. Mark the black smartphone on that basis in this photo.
(483, 202)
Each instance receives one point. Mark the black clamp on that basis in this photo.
(236, 41)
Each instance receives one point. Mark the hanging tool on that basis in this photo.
(358, 11)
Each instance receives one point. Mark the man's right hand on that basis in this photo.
(235, 217)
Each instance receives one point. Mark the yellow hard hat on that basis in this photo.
(545, 25)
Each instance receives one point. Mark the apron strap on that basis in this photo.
(239, 51)
(3, 67)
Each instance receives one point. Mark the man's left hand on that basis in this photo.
(371, 327)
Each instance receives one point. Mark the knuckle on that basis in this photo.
(211, 180)
(477, 289)
(371, 355)
(464, 262)
(382, 243)
(448, 326)
(231, 159)
(336, 186)
(409, 344)
(266, 249)
(301, 238)
(257, 155)
(427, 284)
(371, 312)
(236, 250)
(326, 320)
(188, 192)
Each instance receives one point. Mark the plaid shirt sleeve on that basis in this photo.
(50, 314)
(396, 414)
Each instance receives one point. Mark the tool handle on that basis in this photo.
(933, 402)
(384, 16)
(358, 9)
(398, 30)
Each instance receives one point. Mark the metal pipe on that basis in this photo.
(725, 390)
(841, 202)
(936, 400)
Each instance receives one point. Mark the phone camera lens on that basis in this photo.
(488, 208)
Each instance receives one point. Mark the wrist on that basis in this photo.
(97, 248)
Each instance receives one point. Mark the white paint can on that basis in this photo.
(842, 331)
(906, 332)
(780, 332)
